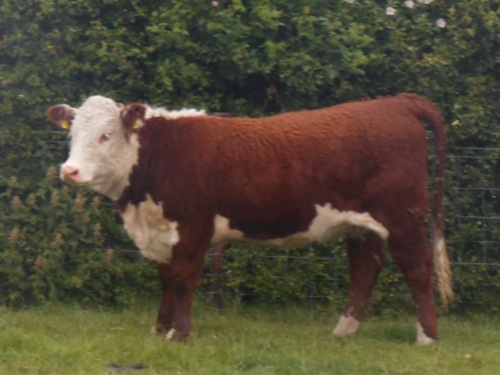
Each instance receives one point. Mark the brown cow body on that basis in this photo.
(357, 169)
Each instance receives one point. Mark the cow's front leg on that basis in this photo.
(186, 270)
(164, 321)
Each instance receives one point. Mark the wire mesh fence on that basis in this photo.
(473, 231)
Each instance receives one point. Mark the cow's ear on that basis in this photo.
(61, 115)
(133, 117)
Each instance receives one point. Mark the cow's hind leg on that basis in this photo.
(413, 256)
(164, 320)
(366, 258)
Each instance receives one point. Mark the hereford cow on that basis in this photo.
(184, 182)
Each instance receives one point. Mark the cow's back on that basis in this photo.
(267, 175)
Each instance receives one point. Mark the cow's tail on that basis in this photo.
(427, 111)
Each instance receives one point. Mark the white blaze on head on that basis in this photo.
(102, 153)
(104, 145)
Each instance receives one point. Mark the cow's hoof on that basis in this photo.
(174, 335)
(158, 328)
(422, 338)
(347, 326)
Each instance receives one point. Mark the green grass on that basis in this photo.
(65, 339)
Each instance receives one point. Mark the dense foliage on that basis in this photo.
(246, 57)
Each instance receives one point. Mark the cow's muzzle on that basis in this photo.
(70, 174)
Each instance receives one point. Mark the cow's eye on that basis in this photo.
(105, 137)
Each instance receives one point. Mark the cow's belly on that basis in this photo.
(154, 235)
(328, 224)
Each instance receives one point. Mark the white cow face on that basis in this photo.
(103, 151)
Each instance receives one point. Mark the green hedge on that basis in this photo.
(59, 242)
(249, 57)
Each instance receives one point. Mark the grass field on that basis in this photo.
(67, 340)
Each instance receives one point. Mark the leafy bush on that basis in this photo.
(61, 243)
(247, 57)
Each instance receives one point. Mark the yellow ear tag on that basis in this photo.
(65, 124)
(137, 124)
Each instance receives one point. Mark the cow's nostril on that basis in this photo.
(70, 173)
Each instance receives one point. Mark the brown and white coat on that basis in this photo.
(185, 181)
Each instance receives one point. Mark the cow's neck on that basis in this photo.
(130, 194)
(116, 189)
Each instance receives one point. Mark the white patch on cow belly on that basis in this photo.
(152, 233)
(328, 224)
(222, 231)
(331, 222)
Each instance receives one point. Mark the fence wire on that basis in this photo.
(476, 197)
